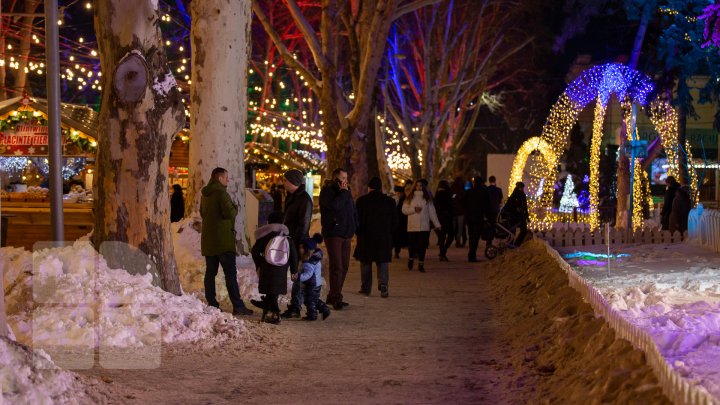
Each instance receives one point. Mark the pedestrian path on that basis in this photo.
(434, 340)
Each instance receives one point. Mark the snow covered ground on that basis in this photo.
(672, 291)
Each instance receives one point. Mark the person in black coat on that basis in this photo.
(400, 236)
(277, 196)
(516, 210)
(444, 209)
(298, 206)
(475, 212)
(377, 220)
(177, 204)
(458, 199)
(272, 279)
(672, 187)
(681, 207)
(339, 222)
(493, 204)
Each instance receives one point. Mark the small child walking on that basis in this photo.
(310, 277)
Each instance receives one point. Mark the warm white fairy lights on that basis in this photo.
(596, 84)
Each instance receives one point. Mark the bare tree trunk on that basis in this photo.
(218, 110)
(383, 166)
(21, 83)
(140, 114)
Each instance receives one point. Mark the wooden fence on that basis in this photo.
(582, 236)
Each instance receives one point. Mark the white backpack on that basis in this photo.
(277, 251)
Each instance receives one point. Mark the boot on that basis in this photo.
(410, 264)
(291, 312)
(421, 267)
(264, 315)
(274, 318)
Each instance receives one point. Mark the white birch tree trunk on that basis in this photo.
(218, 111)
(4, 330)
(140, 115)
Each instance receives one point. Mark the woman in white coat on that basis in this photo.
(420, 212)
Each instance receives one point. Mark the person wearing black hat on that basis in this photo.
(377, 220)
(298, 214)
(516, 210)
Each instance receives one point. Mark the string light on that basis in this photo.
(596, 84)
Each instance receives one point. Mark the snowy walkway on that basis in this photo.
(435, 340)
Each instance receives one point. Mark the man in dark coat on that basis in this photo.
(400, 236)
(493, 204)
(217, 239)
(517, 211)
(272, 280)
(177, 204)
(298, 206)
(672, 187)
(475, 212)
(339, 222)
(298, 214)
(377, 220)
(458, 200)
(444, 210)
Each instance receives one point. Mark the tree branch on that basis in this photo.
(313, 82)
(308, 33)
(410, 7)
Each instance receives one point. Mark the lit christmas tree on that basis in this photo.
(569, 199)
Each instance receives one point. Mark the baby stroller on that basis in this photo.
(502, 236)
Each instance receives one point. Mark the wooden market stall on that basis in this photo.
(25, 208)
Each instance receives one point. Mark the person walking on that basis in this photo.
(681, 206)
(494, 202)
(475, 212)
(272, 278)
(458, 203)
(672, 187)
(298, 215)
(444, 209)
(377, 220)
(420, 211)
(517, 211)
(400, 235)
(217, 239)
(339, 222)
(277, 196)
(177, 204)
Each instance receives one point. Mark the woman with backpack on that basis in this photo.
(420, 212)
(273, 253)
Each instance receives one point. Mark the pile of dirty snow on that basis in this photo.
(69, 297)
(672, 292)
(574, 356)
(30, 377)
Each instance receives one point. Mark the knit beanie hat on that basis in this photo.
(295, 177)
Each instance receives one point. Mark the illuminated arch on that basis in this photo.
(597, 84)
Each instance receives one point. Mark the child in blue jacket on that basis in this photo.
(310, 277)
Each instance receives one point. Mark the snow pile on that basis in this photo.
(571, 355)
(671, 291)
(30, 377)
(71, 298)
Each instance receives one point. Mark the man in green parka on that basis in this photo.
(217, 240)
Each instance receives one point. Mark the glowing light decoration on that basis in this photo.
(569, 200)
(596, 84)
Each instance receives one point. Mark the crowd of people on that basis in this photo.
(381, 223)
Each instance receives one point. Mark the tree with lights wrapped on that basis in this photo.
(218, 100)
(140, 114)
(438, 80)
(346, 59)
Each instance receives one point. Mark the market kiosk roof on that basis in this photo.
(79, 117)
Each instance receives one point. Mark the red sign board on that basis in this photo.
(25, 140)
